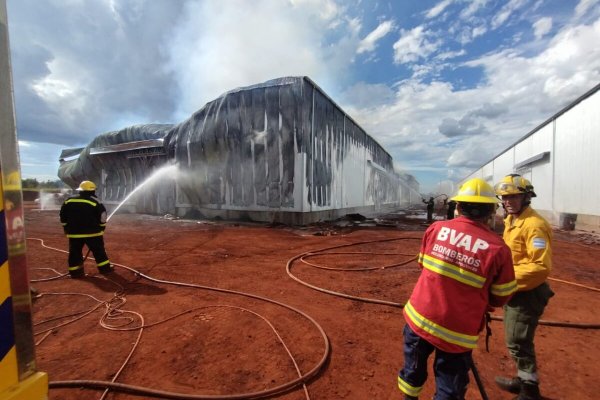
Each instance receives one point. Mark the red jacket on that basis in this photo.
(465, 268)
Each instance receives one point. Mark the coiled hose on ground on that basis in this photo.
(143, 391)
(563, 324)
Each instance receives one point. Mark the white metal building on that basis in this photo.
(561, 158)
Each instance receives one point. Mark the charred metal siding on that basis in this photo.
(280, 145)
(117, 173)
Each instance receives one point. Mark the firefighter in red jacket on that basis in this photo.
(83, 218)
(466, 269)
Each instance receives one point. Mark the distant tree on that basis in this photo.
(33, 183)
(57, 184)
(30, 183)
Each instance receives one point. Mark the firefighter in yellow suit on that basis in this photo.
(529, 237)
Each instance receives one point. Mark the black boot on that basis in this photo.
(512, 385)
(530, 390)
(77, 273)
(106, 269)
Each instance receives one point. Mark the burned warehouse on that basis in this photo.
(278, 151)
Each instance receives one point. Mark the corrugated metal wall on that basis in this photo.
(245, 146)
(118, 173)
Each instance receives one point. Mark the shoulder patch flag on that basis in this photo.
(539, 243)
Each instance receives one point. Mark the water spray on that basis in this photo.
(159, 173)
(51, 200)
(168, 170)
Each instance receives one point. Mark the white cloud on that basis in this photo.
(208, 57)
(506, 11)
(450, 54)
(39, 160)
(583, 6)
(478, 31)
(327, 10)
(473, 122)
(364, 96)
(556, 75)
(369, 43)
(471, 154)
(413, 45)
(407, 128)
(572, 59)
(542, 26)
(473, 7)
(438, 8)
(435, 125)
(71, 90)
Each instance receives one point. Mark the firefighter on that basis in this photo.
(84, 219)
(466, 270)
(430, 203)
(451, 208)
(529, 237)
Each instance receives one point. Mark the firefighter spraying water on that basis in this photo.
(83, 218)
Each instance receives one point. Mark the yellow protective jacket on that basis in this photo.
(529, 238)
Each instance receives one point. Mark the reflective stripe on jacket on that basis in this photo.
(465, 268)
(529, 237)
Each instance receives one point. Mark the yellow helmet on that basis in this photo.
(87, 186)
(513, 184)
(476, 190)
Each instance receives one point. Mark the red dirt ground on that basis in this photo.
(199, 341)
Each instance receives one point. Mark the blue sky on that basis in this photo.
(442, 85)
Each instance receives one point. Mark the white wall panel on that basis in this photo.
(524, 150)
(503, 165)
(565, 174)
(535, 144)
(577, 158)
(539, 172)
(541, 179)
(487, 172)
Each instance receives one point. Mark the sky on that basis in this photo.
(443, 86)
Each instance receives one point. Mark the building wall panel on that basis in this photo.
(577, 160)
(561, 159)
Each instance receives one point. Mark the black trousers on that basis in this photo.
(96, 246)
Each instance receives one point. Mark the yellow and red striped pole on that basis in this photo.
(19, 379)
(8, 353)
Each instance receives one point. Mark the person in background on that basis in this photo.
(465, 270)
(451, 209)
(83, 218)
(430, 203)
(529, 237)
